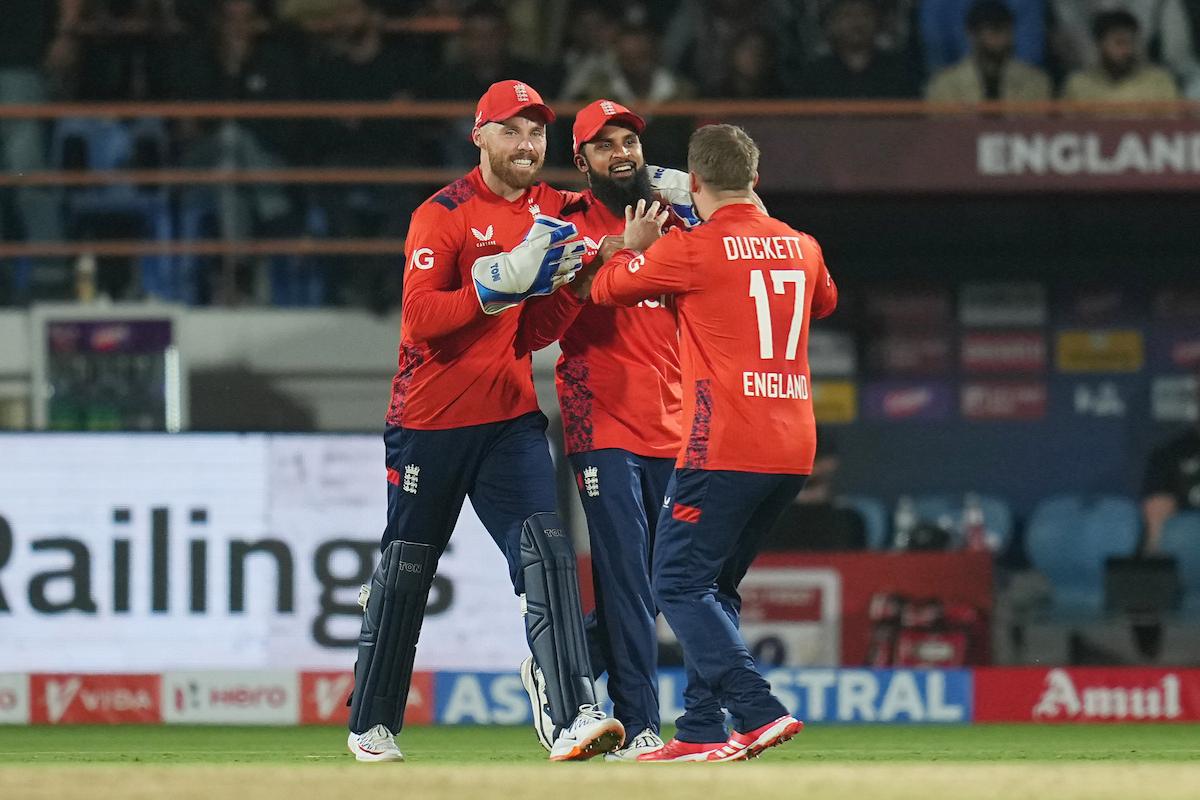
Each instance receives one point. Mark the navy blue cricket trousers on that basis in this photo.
(621, 494)
(504, 467)
(708, 534)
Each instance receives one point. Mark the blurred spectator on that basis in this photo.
(1166, 27)
(632, 74)
(700, 40)
(1122, 73)
(946, 41)
(855, 66)
(128, 49)
(42, 44)
(537, 29)
(590, 41)
(896, 30)
(1172, 484)
(753, 69)
(483, 56)
(989, 72)
(813, 521)
(355, 62)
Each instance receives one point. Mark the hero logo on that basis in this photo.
(1062, 699)
(636, 263)
(422, 258)
(484, 238)
(330, 694)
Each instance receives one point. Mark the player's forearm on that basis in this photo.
(616, 285)
(545, 319)
(430, 313)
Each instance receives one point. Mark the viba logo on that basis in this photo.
(95, 698)
(330, 694)
(60, 695)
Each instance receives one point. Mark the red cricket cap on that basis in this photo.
(505, 99)
(594, 116)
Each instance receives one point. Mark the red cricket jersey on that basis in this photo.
(618, 375)
(745, 287)
(459, 366)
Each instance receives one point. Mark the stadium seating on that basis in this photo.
(1181, 538)
(106, 144)
(997, 515)
(874, 516)
(1069, 538)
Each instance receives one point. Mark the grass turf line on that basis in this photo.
(483, 745)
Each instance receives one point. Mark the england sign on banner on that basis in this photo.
(1086, 694)
(200, 552)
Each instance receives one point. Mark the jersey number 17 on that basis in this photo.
(780, 278)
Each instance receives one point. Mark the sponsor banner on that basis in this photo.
(909, 309)
(14, 698)
(831, 353)
(1010, 351)
(1101, 305)
(1005, 304)
(814, 695)
(992, 153)
(1177, 350)
(324, 697)
(1177, 303)
(263, 697)
(1100, 351)
(913, 400)
(74, 699)
(792, 615)
(253, 560)
(1099, 399)
(1086, 694)
(1175, 398)
(910, 354)
(835, 402)
(1004, 400)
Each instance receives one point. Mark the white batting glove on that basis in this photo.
(675, 187)
(548, 257)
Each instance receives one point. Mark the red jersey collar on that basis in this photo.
(736, 209)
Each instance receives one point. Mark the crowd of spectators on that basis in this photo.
(571, 50)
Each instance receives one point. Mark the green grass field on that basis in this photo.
(983, 761)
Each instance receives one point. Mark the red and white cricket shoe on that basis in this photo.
(593, 733)
(749, 744)
(676, 751)
(376, 744)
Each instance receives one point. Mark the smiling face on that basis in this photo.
(615, 167)
(513, 150)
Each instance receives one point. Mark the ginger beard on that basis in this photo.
(518, 167)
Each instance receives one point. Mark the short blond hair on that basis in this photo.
(724, 156)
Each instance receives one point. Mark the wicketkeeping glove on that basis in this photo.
(542, 262)
(675, 187)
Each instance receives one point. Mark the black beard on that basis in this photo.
(616, 194)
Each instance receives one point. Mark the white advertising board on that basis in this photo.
(222, 551)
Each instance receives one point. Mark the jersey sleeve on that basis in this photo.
(628, 278)
(825, 293)
(545, 319)
(435, 303)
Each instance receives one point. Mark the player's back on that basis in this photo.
(744, 342)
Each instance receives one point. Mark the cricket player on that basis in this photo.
(745, 287)
(464, 421)
(618, 389)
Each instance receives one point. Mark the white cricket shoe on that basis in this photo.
(535, 687)
(645, 742)
(593, 732)
(377, 744)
